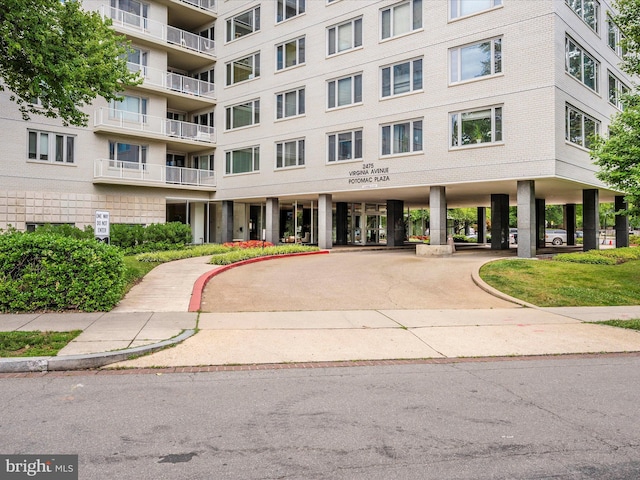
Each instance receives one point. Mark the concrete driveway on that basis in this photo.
(353, 280)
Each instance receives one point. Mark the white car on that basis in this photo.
(555, 236)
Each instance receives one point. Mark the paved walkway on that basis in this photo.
(313, 309)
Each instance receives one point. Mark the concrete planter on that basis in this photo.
(424, 250)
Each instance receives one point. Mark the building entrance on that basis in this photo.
(368, 224)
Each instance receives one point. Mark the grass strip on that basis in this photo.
(34, 344)
(633, 324)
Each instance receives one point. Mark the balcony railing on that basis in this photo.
(173, 81)
(159, 175)
(204, 4)
(146, 124)
(158, 30)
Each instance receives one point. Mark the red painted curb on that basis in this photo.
(201, 282)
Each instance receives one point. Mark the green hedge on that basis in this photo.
(52, 272)
(66, 231)
(239, 255)
(611, 256)
(152, 238)
(222, 255)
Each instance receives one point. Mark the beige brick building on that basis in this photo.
(326, 120)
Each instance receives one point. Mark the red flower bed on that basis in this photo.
(248, 244)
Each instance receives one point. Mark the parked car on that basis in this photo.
(555, 236)
(513, 235)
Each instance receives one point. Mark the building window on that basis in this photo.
(403, 137)
(580, 65)
(344, 91)
(127, 155)
(290, 54)
(290, 104)
(244, 160)
(243, 69)
(203, 162)
(243, 115)
(462, 8)
(287, 9)
(344, 146)
(614, 37)
(587, 10)
(616, 90)
(290, 154)
(478, 126)
(401, 18)
(137, 60)
(129, 109)
(477, 60)
(243, 24)
(51, 147)
(401, 78)
(580, 127)
(343, 37)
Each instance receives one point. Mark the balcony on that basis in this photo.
(144, 28)
(195, 93)
(147, 126)
(209, 5)
(144, 174)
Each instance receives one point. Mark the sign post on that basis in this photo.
(102, 226)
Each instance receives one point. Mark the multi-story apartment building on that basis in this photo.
(330, 118)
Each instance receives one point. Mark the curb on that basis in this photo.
(201, 282)
(84, 362)
(475, 276)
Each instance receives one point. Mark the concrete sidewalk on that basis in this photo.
(155, 311)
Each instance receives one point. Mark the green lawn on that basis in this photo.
(34, 344)
(548, 283)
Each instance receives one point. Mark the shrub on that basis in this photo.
(152, 238)
(53, 272)
(248, 244)
(238, 255)
(601, 257)
(65, 230)
(634, 239)
(189, 252)
(126, 236)
(175, 233)
(585, 257)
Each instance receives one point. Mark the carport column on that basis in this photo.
(227, 221)
(541, 223)
(499, 221)
(325, 218)
(482, 224)
(590, 219)
(570, 222)
(272, 221)
(342, 223)
(395, 223)
(527, 231)
(437, 216)
(622, 223)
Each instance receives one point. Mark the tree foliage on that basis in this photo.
(628, 20)
(61, 55)
(618, 156)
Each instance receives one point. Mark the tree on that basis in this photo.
(618, 156)
(61, 55)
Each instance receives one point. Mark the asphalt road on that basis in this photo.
(534, 419)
